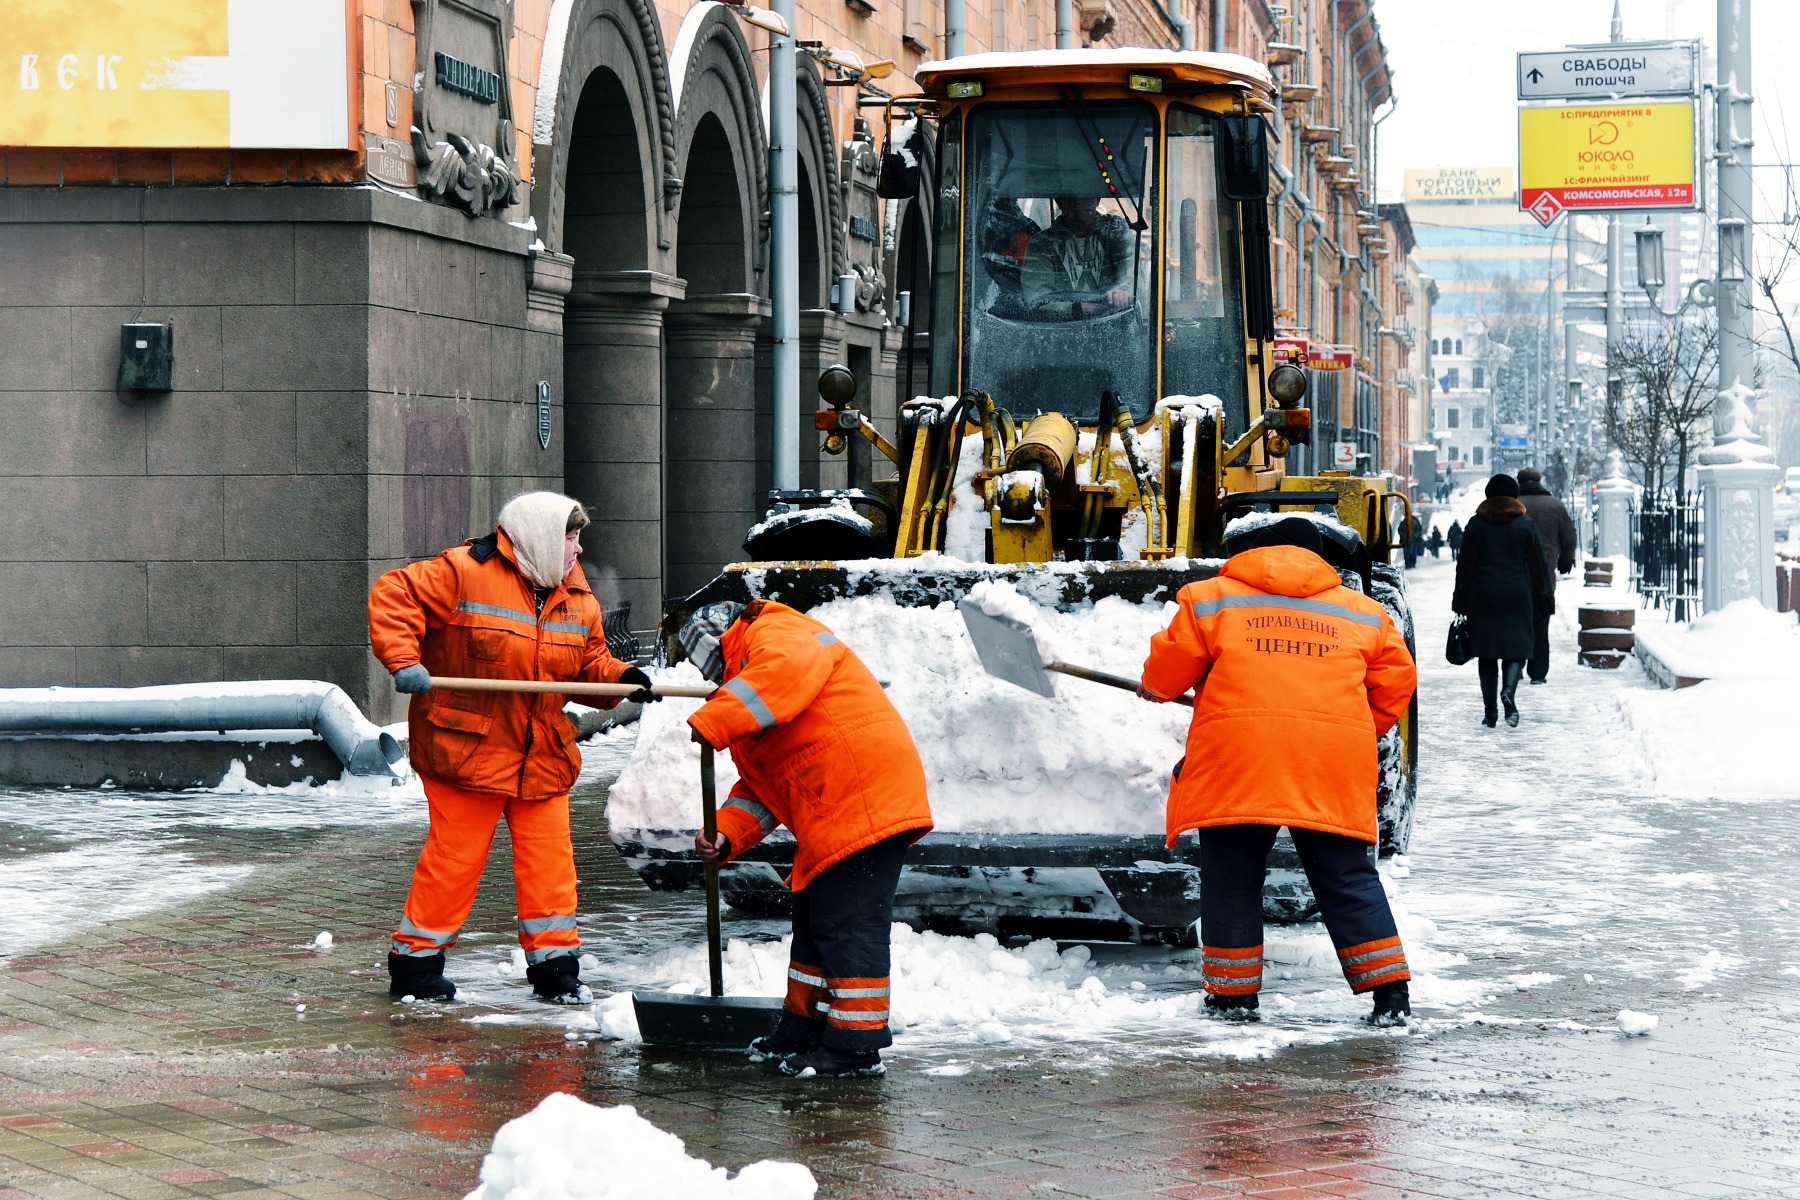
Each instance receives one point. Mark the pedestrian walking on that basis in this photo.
(511, 605)
(1456, 539)
(1499, 576)
(819, 748)
(1556, 534)
(1281, 654)
(1414, 544)
(1435, 542)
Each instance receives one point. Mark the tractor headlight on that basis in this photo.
(1287, 384)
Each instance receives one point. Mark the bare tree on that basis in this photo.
(1665, 405)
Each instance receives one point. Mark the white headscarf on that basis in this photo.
(538, 523)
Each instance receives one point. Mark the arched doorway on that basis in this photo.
(711, 333)
(605, 185)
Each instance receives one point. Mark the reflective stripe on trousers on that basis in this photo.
(1232, 971)
(1372, 964)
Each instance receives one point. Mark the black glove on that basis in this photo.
(643, 695)
(412, 680)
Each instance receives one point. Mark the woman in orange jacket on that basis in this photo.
(511, 605)
(1295, 677)
(818, 748)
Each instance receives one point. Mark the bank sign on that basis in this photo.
(176, 74)
(1606, 156)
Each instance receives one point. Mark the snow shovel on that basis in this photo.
(715, 1021)
(458, 684)
(1009, 651)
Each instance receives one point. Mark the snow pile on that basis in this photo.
(997, 758)
(566, 1149)
(1729, 737)
(323, 940)
(1635, 1024)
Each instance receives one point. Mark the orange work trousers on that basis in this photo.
(456, 852)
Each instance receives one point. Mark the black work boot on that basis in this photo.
(1232, 1008)
(421, 977)
(826, 1063)
(1509, 692)
(1392, 1005)
(792, 1035)
(558, 980)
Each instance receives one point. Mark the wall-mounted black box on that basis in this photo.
(146, 358)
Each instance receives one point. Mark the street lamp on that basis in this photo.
(762, 18)
(1650, 271)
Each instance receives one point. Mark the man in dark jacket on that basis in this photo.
(1556, 534)
(1456, 536)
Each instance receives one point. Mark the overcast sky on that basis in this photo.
(1453, 63)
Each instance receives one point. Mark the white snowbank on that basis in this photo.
(567, 1149)
(1743, 640)
(997, 758)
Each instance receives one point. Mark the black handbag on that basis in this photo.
(1458, 647)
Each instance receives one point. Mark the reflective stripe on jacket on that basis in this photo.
(816, 742)
(1295, 675)
(470, 612)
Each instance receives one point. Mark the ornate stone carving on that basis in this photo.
(466, 174)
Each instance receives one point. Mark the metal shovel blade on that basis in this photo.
(1006, 648)
(704, 1022)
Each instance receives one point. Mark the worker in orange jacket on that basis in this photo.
(511, 605)
(819, 748)
(1295, 676)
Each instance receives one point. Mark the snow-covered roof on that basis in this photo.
(1100, 65)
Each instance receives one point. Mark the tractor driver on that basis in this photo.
(1081, 266)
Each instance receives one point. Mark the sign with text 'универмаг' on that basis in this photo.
(1606, 156)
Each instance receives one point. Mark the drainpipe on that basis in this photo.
(953, 28)
(1065, 24)
(1184, 28)
(274, 704)
(784, 205)
(1218, 26)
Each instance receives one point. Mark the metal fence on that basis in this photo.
(1666, 541)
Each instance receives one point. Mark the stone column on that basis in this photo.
(1617, 495)
(613, 420)
(711, 478)
(1737, 493)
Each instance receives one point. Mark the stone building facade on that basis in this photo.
(539, 258)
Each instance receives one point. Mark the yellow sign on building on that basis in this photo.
(1606, 156)
(1428, 184)
(175, 74)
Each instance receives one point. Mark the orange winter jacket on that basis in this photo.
(470, 612)
(817, 745)
(1295, 675)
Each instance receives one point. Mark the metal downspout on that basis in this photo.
(1218, 26)
(784, 205)
(954, 21)
(1065, 24)
(218, 707)
(1184, 28)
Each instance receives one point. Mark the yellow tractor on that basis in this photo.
(1108, 391)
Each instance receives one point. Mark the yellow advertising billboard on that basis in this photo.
(1427, 184)
(176, 74)
(1606, 156)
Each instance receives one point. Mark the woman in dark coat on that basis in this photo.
(1500, 570)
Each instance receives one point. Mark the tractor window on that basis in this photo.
(1203, 322)
(1057, 255)
(944, 259)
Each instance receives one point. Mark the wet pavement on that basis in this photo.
(158, 952)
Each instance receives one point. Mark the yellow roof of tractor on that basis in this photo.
(1181, 68)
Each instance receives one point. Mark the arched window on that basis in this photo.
(1459, 345)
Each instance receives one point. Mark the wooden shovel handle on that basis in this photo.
(457, 684)
(1109, 679)
(709, 824)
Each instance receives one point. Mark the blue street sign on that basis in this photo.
(1516, 443)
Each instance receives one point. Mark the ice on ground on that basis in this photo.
(567, 1149)
(1635, 1024)
(1711, 964)
(998, 759)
